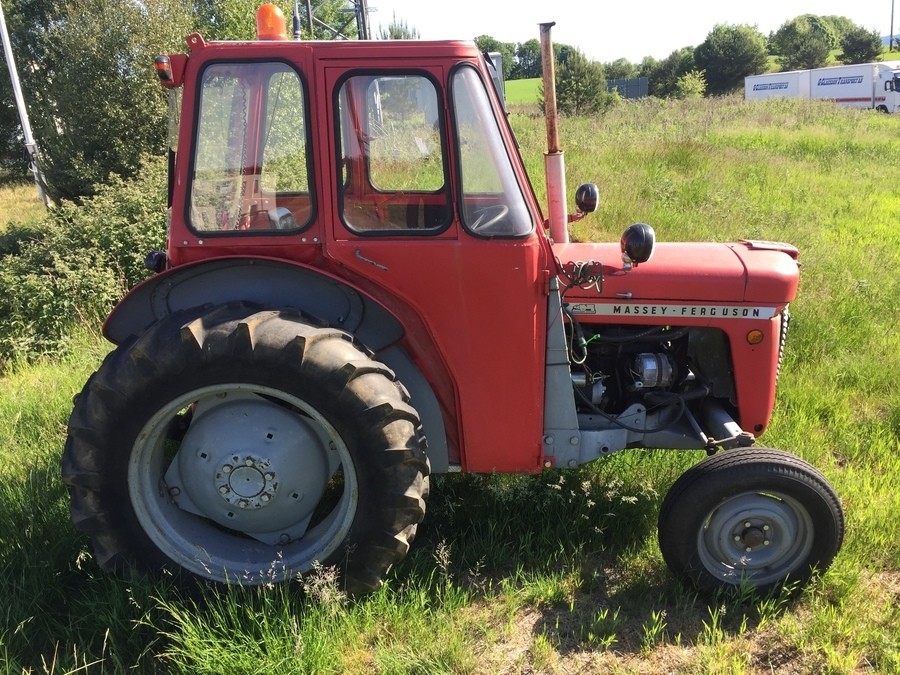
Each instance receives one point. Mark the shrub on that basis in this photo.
(691, 85)
(580, 86)
(78, 262)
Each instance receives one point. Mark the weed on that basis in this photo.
(653, 631)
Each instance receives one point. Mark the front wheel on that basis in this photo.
(758, 517)
(243, 447)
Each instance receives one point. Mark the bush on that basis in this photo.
(691, 85)
(78, 262)
(580, 86)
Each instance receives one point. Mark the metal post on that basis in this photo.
(554, 163)
(891, 42)
(362, 19)
(30, 145)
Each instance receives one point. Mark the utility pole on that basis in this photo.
(30, 145)
(362, 9)
(891, 43)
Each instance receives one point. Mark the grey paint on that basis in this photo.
(263, 282)
(284, 286)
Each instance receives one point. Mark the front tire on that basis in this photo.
(757, 517)
(244, 446)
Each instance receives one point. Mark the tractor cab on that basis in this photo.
(291, 136)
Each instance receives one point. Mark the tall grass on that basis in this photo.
(558, 572)
(20, 204)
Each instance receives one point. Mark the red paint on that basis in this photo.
(474, 309)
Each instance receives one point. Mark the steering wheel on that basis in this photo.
(489, 216)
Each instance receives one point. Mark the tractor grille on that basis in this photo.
(785, 321)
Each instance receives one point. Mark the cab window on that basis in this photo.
(251, 157)
(391, 150)
(492, 203)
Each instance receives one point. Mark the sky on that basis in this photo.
(606, 31)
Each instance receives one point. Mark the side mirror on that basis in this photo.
(587, 196)
(637, 244)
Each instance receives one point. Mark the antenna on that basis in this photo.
(296, 21)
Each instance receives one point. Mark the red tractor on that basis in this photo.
(359, 290)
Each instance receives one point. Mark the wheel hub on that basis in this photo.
(252, 466)
(753, 537)
(247, 482)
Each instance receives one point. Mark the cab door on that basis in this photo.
(430, 216)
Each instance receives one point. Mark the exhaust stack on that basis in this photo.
(554, 164)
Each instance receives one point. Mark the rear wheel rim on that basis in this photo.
(183, 499)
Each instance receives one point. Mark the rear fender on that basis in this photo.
(260, 281)
(274, 284)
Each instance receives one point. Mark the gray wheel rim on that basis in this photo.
(235, 502)
(759, 536)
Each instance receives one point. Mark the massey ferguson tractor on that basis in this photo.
(359, 290)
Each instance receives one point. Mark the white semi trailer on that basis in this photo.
(862, 85)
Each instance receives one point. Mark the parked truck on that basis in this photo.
(863, 85)
(359, 290)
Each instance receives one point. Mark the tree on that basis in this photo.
(528, 60)
(93, 99)
(840, 25)
(729, 54)
(663, 75)
(95, 104)
(690, 85)
(860, 45)
(507, 51)
(620, 69)
(804, 42)
(580, 85)
(12, 150)
(398, 30)
(232, 20)
(236, 19)
(562, 52)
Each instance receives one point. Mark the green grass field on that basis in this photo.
(557, 573)
(19, 203)
(523, 92)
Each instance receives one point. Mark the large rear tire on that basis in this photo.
(244, 446)
(756, 517)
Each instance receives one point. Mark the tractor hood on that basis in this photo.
(749, 271)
